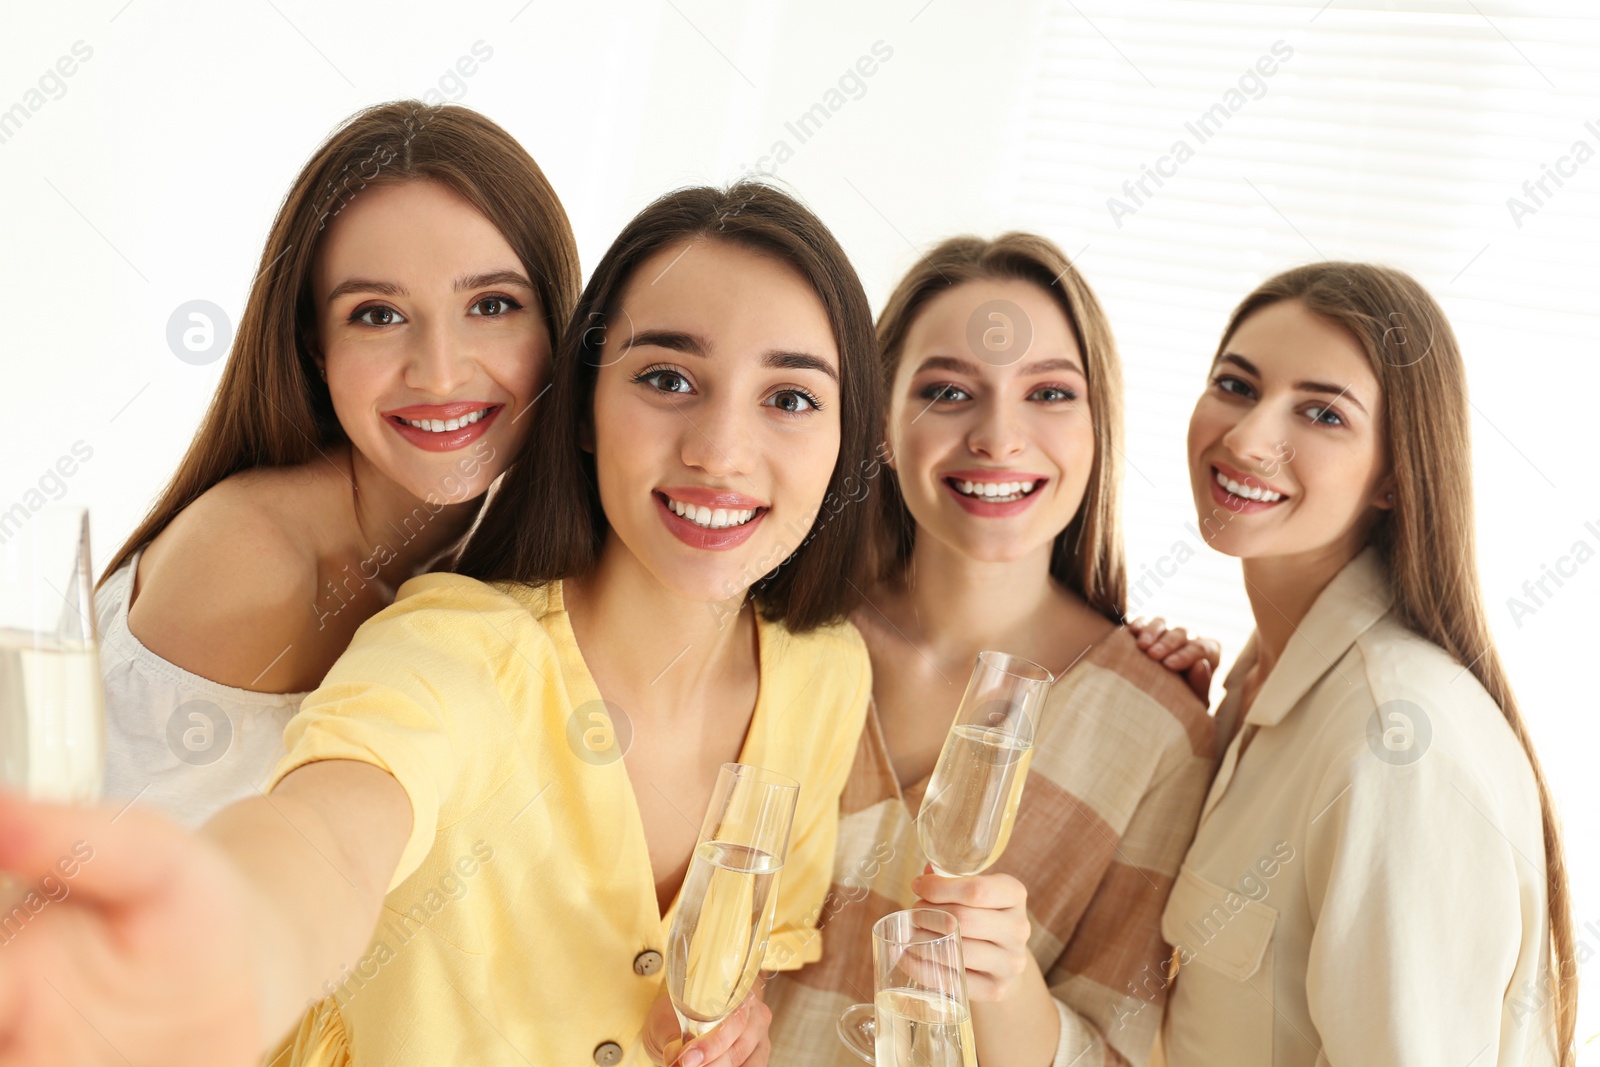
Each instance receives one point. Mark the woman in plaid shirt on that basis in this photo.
(1001, 530)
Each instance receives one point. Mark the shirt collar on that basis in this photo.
(1359, 595)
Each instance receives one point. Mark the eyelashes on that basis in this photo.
(366, 313)
(664, 379)
(1318, 414)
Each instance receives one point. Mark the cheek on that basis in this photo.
(357, 381)
(1208, 425)
(810, 462)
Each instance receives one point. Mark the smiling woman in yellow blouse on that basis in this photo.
(473, 849)
(1377, 877)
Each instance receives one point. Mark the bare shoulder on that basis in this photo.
(226, 590)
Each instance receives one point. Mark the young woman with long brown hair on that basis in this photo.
(393, 343)
(1377, 876)
(1000, 529)
(449, 851)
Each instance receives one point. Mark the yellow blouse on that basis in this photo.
(521, 926)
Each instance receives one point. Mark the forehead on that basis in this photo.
(1287, 342)
(719, 289)
(410, 228)
(963, 316)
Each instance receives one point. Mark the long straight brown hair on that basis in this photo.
(1426, 539)
(1088, 555)
(544, 521)
(272, 408)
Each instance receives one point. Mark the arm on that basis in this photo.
(1014, 1017)
(317, 854)
(1103, 997)
(1416, 904)
(163, 946)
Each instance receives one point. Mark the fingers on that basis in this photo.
(1008, 929)
(992, 972)
(1167, 643)
(109, 855)
(734, 1042)
(1148, 632)
(1199, 679)
(996, 891)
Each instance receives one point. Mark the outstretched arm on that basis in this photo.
(128, 940)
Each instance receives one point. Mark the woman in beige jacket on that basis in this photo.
(1377, 877)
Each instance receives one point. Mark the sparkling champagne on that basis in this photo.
(52, 730)
(972, 799)
(719, 935)
(922, 1029)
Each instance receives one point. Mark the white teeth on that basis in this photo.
(446, 425)
(1000, 492)
(1247, 492)
(720, 519)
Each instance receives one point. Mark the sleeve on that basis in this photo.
(387, 701)
(808, 869)
(1110, 983)
(1414, 898)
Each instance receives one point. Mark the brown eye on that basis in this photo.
(795, 402)
(493, 306)
(377, 315)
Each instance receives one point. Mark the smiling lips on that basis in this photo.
(1242, 493)
(993, 494)
(443, 427)
(713, 519)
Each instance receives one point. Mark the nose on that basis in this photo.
(717, 438)
(438, 362)
(1257, 436)
(997, 434)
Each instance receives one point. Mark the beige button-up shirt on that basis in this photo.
(1367, 883)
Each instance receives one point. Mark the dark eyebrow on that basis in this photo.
(1306, 387)
(695, 345)
(799, 361)
(676, 340)
(462, 284)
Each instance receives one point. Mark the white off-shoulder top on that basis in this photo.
(178, 742)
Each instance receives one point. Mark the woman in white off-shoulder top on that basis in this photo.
(393, 343)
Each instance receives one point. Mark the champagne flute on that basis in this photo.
(52, 709)
(920, 1016)
(725, 909)
(971, 804)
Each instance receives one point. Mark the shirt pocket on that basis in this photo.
(1225, 981)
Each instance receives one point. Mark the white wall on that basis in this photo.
(1396, 133)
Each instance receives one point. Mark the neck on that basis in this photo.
(651, 640)
(1282, 590)
(956, 606)
(392, 528)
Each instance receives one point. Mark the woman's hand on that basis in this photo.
(125, 940)
(1196, 659)
(741, 1040)
(992, 911)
